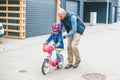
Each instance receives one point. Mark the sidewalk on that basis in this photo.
(101, 27)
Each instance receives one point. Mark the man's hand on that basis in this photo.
(64, 37)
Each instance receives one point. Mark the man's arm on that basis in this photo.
(74, 26)
(61, 24)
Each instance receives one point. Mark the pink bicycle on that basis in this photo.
(48, 61)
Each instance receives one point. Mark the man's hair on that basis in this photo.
(61, 10)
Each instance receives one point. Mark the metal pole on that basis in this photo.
(107, 13)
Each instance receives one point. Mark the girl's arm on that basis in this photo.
(49, 39)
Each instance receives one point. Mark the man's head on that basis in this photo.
(61, 13)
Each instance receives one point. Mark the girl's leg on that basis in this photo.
(51, 51)
(58, 55)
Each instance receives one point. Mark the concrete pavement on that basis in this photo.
(99, 48)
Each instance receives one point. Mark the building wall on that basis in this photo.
(27, 17)
(80, 6)
(114, 2)
(118, 8)
(100, 8)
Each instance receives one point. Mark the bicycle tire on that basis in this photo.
(44, 66)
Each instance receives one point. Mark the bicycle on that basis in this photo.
(48, 61)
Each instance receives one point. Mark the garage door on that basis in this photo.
(72, 6)
(40, 14)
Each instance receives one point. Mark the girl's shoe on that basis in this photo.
(60, 65)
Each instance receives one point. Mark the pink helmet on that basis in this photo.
(55, 27)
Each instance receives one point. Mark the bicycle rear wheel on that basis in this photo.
(46, 67)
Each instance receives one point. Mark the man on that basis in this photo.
(75, 28)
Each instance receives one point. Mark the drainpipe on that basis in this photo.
(107, 13)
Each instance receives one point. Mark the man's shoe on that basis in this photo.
(76, 64)
(68, 66)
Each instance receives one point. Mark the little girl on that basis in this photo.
(56, 37)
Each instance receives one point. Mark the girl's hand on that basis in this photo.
(57, 44)
(44, 43)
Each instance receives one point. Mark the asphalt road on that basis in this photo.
(100, 53)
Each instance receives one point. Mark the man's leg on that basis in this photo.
(70, 54)
(75, 43)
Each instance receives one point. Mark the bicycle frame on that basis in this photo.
(52, 62)
(49, 57)
(49, 61)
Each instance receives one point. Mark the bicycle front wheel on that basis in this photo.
(45, 67)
